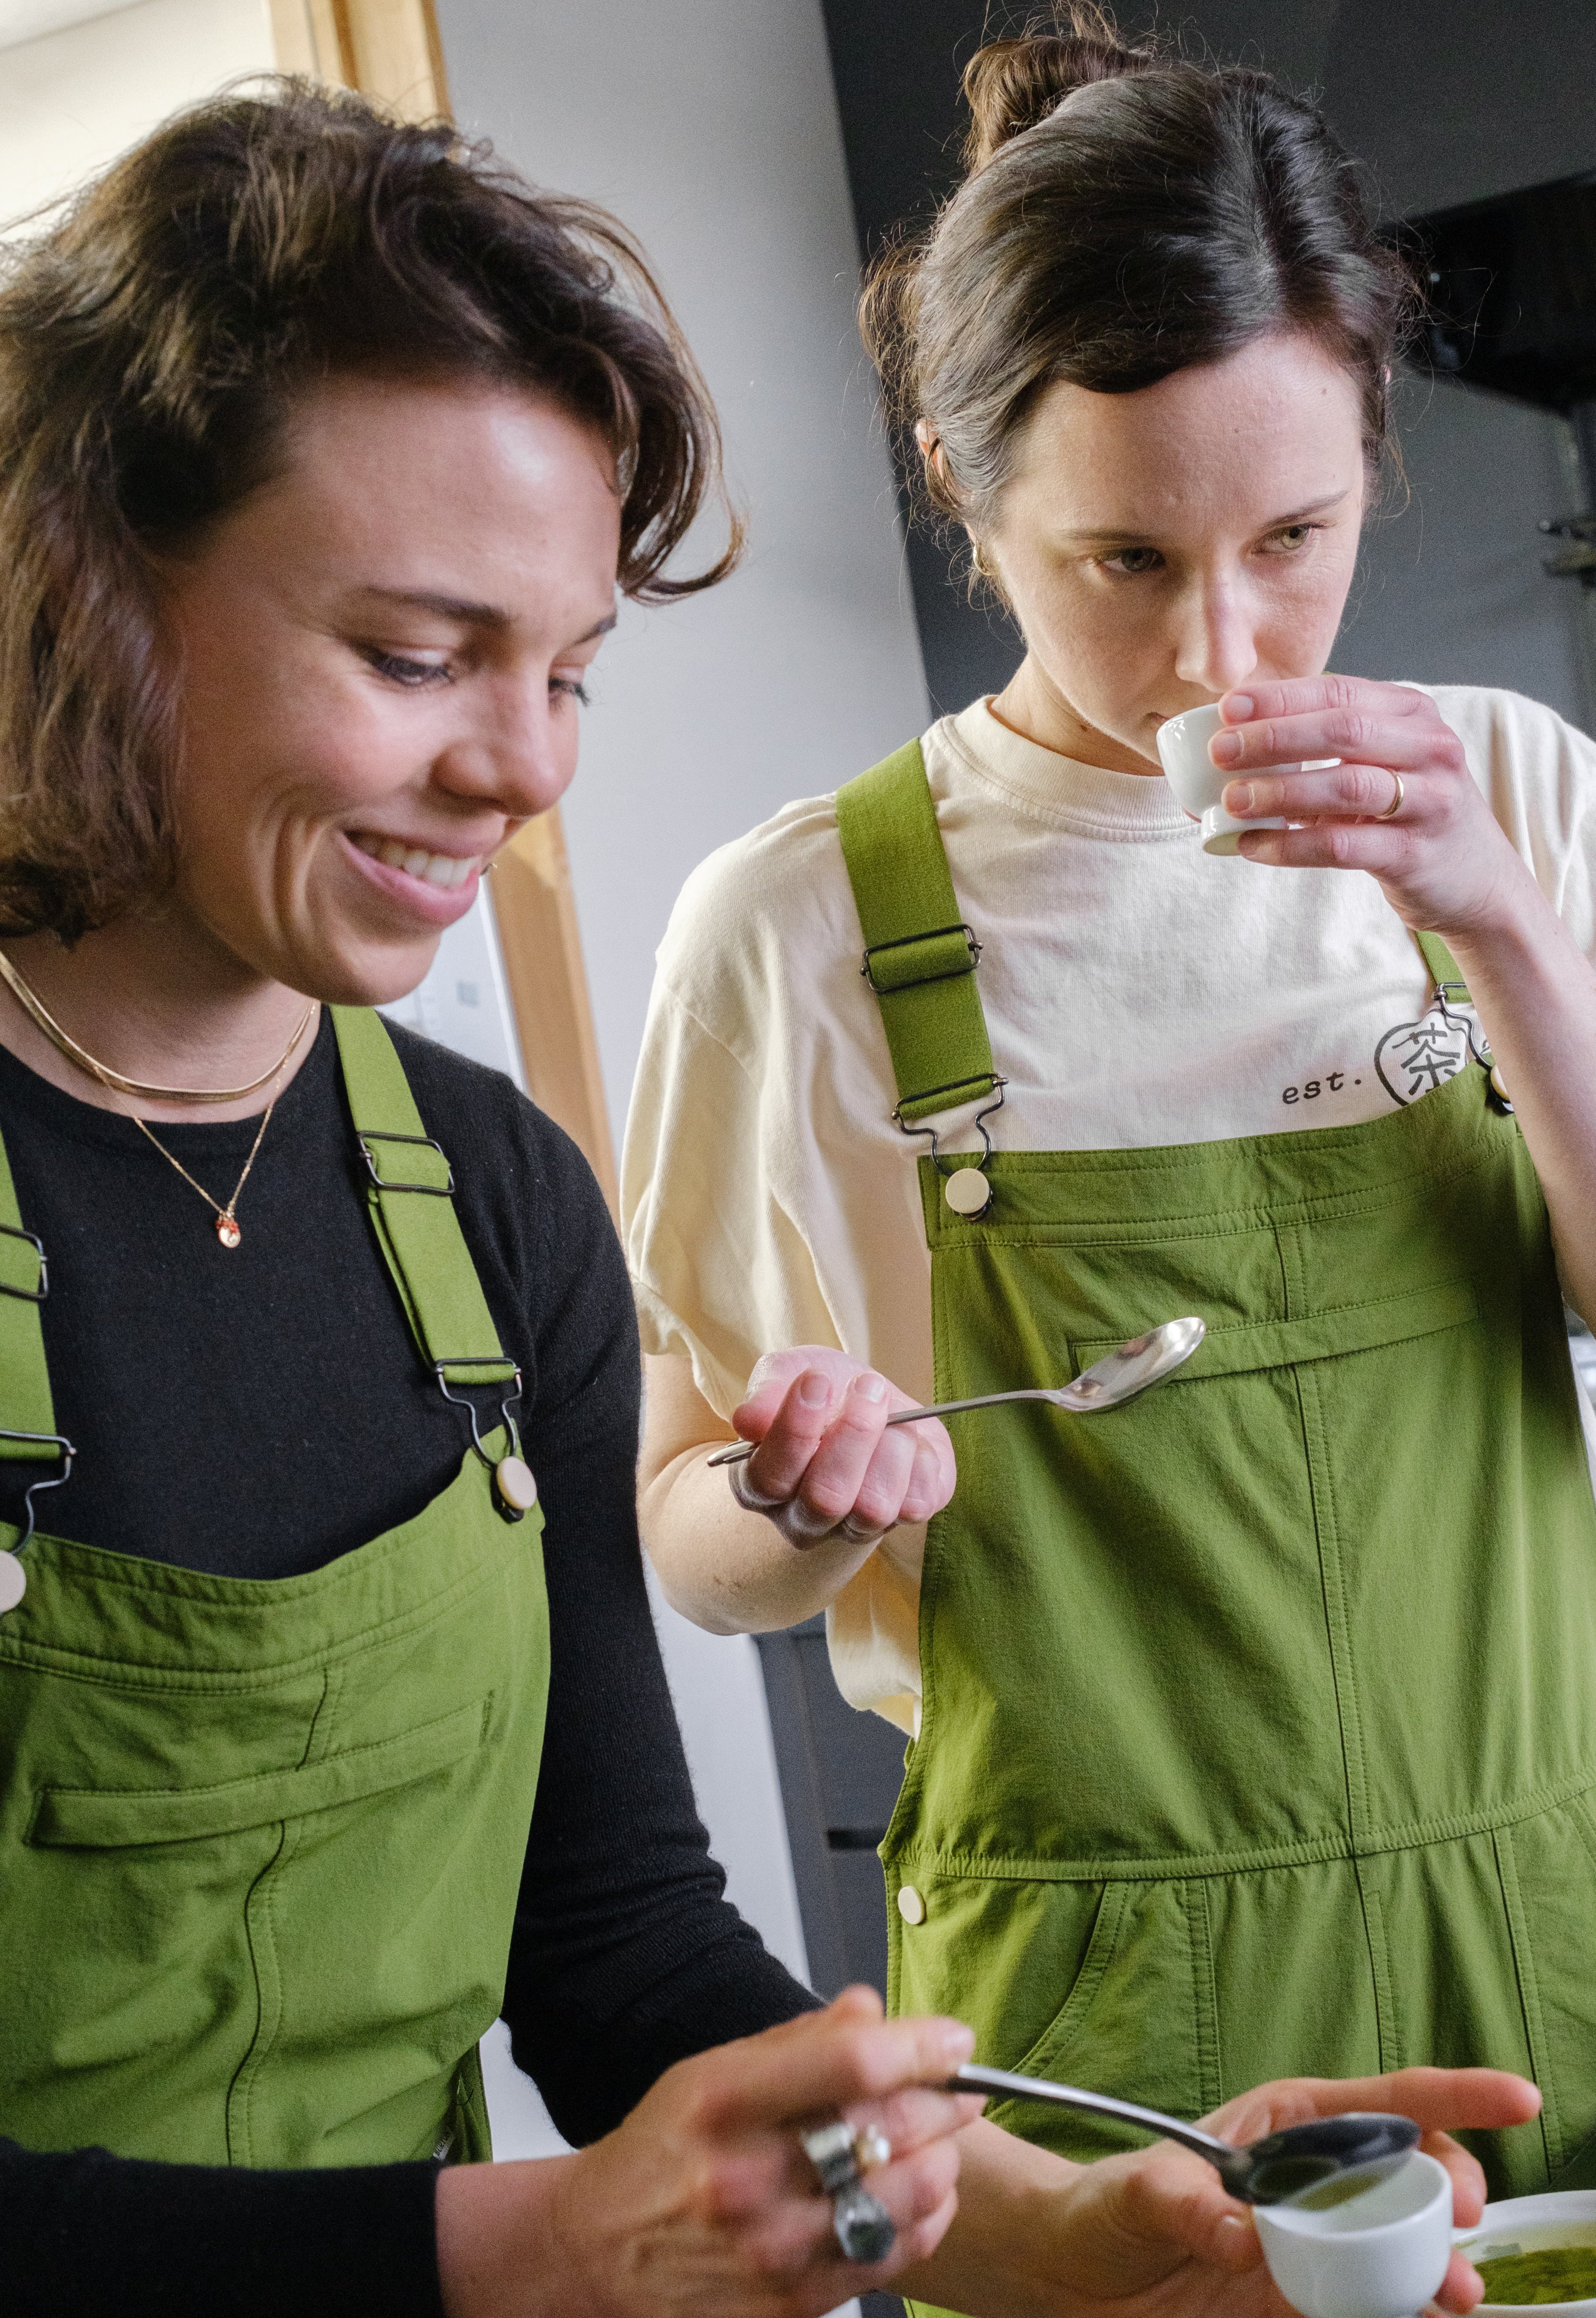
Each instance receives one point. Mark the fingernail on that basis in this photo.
(870, 1387)
(1237, 706)
(958, 2041)
(1224, 747)
(1237, 798)
(814, 1390)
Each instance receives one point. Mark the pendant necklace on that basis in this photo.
(226, 1219)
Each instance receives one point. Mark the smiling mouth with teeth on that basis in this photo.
(433, 869)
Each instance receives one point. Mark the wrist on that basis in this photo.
(1509, 918)
(500, 2247)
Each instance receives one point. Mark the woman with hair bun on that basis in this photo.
(1251, 1725)
(325, 443)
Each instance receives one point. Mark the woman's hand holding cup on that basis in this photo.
(1154, 2235)
(828, 1469)
(1368, 776)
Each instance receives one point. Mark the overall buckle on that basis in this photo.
(366, 1135)
(27, 1295)
(945, 952)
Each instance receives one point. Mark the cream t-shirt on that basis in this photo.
(1137, 992)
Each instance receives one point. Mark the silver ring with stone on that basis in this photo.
(1394, 807)
(864, 2228)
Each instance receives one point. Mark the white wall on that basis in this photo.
(710, 127)
(71, 99)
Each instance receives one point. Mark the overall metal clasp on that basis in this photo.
(516, 1490)
(43, 1440)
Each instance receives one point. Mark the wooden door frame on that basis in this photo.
(390, 50)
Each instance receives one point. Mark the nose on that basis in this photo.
(515, 753)
(1216, 645)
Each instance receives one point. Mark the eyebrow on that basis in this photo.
(469, 614)
(1144, 539)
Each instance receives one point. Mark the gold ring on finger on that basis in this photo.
(1394, 807)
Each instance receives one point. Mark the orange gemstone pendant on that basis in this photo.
(226, 1230)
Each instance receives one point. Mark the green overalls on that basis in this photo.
(1259, 1731)
(261, 1842)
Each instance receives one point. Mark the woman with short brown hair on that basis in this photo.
(325, 444)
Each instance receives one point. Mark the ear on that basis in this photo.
(931, 450)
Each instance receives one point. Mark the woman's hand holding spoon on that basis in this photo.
(826, 1467)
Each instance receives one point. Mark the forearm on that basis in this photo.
(1536, 994)
(728, 1569)
(113, 2237)
(1001, 2258)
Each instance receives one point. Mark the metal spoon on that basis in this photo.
(1351, 2152)
(1118, 1376)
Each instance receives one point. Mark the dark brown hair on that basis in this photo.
(151, 344)
(1168, 219)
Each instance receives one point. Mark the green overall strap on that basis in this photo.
(25, 1403)
(412, 1197)
(919, 956)
(1443, 967)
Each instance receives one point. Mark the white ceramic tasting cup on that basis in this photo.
(1381, 2255)
(1557, 2218)
(1198, 782)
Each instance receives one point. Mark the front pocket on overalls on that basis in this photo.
(1096, 1984)
(125, 1818)
(198, 1923)
(1547, 1870)
(1138, 2020)
(1004, 1954)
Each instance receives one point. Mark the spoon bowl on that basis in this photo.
(1129, 1369)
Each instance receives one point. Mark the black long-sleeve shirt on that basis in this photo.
(257, 1412)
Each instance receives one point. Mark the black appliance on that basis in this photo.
(1511, 285)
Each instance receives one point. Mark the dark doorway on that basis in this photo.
(839, 1774)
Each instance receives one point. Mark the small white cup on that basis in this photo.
(1198, 782)
(1381, 2255)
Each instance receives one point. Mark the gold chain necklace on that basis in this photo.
(34, 1007)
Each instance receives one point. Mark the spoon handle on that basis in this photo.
(974, 2079)
(740, 1451)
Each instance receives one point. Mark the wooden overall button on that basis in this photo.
(967, 1192)
(512, 1476)
(14, 1582)
(911, 1906)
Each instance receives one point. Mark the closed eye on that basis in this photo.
(413, 674)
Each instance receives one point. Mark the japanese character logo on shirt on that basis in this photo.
(1414, 1058)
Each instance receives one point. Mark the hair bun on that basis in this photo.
(1011, 86)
